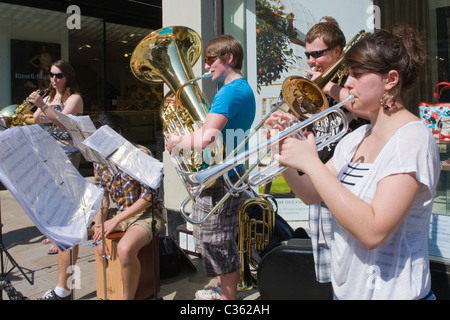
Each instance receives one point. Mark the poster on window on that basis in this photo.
(30, 66)
(282, 27)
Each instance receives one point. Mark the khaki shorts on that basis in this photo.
(143, 219)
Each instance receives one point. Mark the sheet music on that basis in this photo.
(35, 169)
(126, 156)
(80, 128)
(105, 141)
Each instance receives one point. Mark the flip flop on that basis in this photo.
(53, 250)
(46, 241)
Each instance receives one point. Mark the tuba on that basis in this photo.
(167, 56)
(255, 232)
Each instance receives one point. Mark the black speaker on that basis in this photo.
(287, 273)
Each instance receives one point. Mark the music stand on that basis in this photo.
(154, 235)
(8, 256)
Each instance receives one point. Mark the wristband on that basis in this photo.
(45, 106)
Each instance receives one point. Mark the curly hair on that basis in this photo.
(399, 49)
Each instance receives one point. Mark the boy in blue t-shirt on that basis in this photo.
(232, 113)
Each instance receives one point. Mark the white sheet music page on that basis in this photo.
(126, 156)
(49, 188)
(80, 128)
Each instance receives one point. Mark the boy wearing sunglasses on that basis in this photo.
(324, 43)
(232, 111)
(323, 46)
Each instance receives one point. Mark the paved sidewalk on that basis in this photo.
(24, 242)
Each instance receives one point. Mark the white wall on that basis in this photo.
(192, 14)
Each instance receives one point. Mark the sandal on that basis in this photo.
(46, 241)
(53, 250)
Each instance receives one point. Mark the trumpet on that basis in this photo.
(201, 179)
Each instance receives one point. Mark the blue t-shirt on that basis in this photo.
(236, 101)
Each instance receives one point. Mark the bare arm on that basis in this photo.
(73, 105)
(371, 223)
(199, 139)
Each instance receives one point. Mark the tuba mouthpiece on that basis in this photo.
(206, 75)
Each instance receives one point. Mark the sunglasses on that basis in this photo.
(210, 60)
(56, 75)
(316, 54)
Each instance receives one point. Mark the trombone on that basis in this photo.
(233, 189)
(198, 181)
(307, 101)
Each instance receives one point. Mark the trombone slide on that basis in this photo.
(197, 180)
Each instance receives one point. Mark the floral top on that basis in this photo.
(59, 133)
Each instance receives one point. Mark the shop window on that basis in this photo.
(86, 56)
(138, 102)
(441, 60)
(101, 53)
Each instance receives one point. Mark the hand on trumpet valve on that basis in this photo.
(299, 154)
(312, 73)
(277, 122)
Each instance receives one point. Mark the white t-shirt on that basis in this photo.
(398, 268)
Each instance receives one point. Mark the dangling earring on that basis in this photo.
(383, 101)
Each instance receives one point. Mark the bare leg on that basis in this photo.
(63, 264)
(229, 284)
(128, 248)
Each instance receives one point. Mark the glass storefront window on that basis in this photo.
(24, 34)
(432, 18)
(100, 53)
(136, 101)
(86, 55)
(124, 91)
